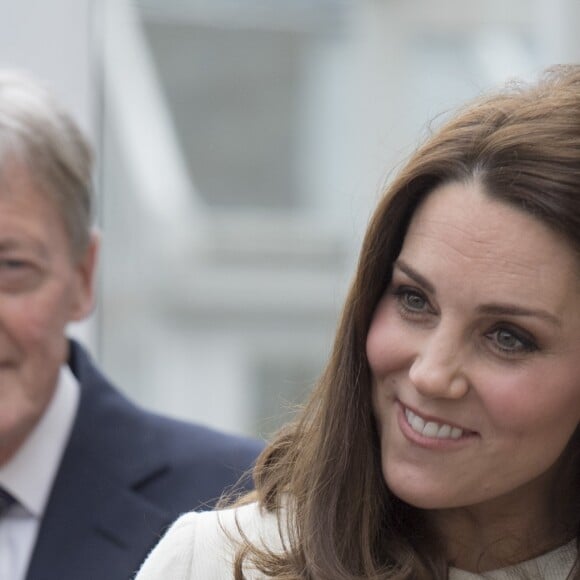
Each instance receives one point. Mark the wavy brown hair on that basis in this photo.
(523, 145)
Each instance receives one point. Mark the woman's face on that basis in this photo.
(475, 354)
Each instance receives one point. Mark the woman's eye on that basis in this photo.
(412, 301)
(508, 341)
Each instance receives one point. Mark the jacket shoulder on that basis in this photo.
(204, 545)
(177, 464)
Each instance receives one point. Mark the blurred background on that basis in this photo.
(241, 146)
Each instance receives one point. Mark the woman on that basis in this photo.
(441, 441)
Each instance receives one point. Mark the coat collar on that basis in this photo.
(95, 512)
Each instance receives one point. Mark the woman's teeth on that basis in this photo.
(432, 429)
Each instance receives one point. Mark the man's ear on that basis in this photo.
(86, 267)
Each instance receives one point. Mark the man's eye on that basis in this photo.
(18, 275)
(14, 267)
(12, 264)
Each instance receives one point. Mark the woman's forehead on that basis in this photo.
(460, 231)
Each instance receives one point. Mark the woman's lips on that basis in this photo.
(430, 428)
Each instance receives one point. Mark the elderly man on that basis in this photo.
(88, 480)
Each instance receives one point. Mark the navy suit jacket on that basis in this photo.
(126, 474)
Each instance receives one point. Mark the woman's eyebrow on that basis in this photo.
(513, 310)
(494, 309)
(414, 275)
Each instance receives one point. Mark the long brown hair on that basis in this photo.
(523, 145)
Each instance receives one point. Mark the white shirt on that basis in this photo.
(29, 476)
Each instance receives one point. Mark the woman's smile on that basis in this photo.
(433, 427)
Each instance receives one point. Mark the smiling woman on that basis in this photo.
(442, 440)
(474, 356)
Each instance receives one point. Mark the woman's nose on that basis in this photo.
(437, 370)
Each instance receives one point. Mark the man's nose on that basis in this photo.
(437, 370)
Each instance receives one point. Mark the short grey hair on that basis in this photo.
(36, 131)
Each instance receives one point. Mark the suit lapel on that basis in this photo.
(92, 519)
(95, 520)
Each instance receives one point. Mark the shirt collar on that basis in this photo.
(30, 473)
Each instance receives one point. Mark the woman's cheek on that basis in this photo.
(515, 398)
(380, 338)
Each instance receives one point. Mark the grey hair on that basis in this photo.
(37, 132)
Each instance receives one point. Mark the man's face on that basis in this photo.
(42, 288)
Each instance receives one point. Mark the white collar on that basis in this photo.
(553, 565)
(30, 473)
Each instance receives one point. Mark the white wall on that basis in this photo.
(54, 40)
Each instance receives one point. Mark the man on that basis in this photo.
(96, 480)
